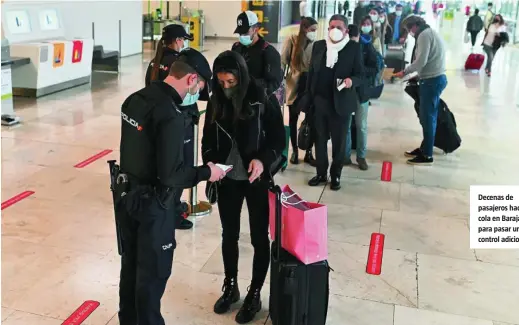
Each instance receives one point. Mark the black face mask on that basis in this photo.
(229, 92)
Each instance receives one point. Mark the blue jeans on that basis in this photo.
(361, 120)
(430, 92)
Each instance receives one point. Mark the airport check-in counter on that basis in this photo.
(55, 65)
(35, 31)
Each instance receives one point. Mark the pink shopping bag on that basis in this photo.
(304, 226)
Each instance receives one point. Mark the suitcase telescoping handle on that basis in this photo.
(277, 218)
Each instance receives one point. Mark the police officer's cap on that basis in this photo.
(197, 61)
(174, 31)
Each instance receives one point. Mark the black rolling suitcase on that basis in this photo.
(353, 132)
(298, 293)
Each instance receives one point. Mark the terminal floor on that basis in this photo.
(58, 246)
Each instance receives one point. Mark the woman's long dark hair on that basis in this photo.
(301, 41)
(501, 20)
(231, 62)
(164, 42)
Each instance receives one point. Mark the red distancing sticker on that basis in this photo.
(90, 160)
(387, 170)
(376, 250)
(81, 313)
(16, 199)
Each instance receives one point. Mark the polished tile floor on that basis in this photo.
(58, 246)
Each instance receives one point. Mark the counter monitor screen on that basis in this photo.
(18, 22)
(49, 20)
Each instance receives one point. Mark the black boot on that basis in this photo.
(251, 306)
(309, 159)
(231, 295)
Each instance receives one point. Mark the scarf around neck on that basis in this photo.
(332, 51)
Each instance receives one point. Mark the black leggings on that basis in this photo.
(292, 123)
(231, 195)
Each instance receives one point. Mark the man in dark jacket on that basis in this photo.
(395, 20)
(361, 11)
(263, 60)
(474, 26)
(336, 63)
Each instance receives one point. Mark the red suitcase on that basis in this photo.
(474, 61)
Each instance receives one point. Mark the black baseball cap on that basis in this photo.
(245, 21)
(197, 61)
(175, 31)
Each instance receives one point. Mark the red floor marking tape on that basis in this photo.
(376, 250)
(93, 158)
(387, 169)
(81, 313)
(16, 199)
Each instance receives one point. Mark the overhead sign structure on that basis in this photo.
(268, 16)
(59, 55)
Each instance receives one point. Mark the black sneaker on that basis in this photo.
(309, 159)
(363, 164)
(294, 159)
(421, 160)
(231, 295)
(414, 153)
(318, 180)
(184, 224)
(251, 306)
(335, 184)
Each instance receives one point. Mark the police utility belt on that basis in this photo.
(132, 192)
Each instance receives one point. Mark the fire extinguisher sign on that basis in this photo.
(77, 51)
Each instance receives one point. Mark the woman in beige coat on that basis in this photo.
(295, 58)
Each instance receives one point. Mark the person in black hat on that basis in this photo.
(263, 60)
(242, 128)
(168, 50)
(152, 142)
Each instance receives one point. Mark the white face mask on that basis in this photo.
(374, 18)
(382, 19)
(311, 36)
(336, 35)
(398, 13)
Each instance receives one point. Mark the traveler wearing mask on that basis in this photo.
(152, 141)
(375, 40)
(369, 60)
(361, 11)
(395, 21)
(429, 63)
(263, 60)
(168, 49)
(295, 56)
(334, 61)
(386, 32)
(243, 129)
(494, 30)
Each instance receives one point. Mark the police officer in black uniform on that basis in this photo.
(263, 60)
(169, 47)
(152, 147)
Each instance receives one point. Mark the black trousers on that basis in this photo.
(293, 118)
(329, 124)
(231, 195)
(473, 36)
(189, 159)
(148, 241)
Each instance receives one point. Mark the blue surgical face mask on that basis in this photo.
(366, 29)
(246, 40)
(191, 99)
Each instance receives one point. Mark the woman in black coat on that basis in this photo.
(244, 130)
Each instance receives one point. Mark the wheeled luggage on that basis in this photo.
(474, 61)
(299, 293)
(353, 130)
(447, 137)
